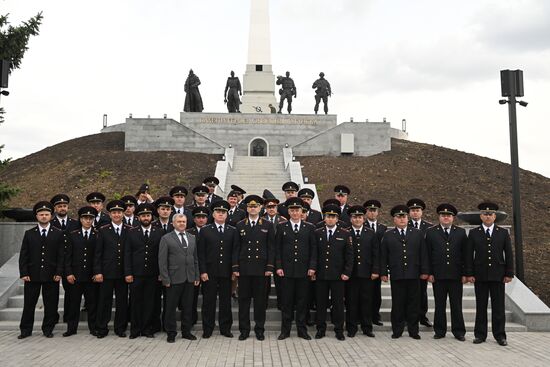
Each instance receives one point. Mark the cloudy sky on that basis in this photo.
(434, 63)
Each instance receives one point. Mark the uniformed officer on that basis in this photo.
(446, 245)
(489, 265)
(96, 200)
(340, 223)
(373, 207)
(296, 260)
(211, 183)
(313, 216)
(200, 219)
(143, 195)
(240, 203)
(341, 193)
(130, 204)
(334, 267)
(141, 271)
(62, 221)
(200, 194)
(366, 268)
(253, 261)
(271, 215)
(215, 250)
(235, 214)
(403, 253)
(416, 210)
(291, 191)
(41, 268)
(79, 260)
(109, 272)
(179, 193)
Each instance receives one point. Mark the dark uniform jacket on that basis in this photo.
(213, 199)
(314, 216)
(489, 259)
(404, 258)
(42, 260)
(79, 258)
(278, 219)
(380, 230)
(141, 254)
(282, 210)
(104, 219)
(423, 226)
(133, 223)
(339, 224)
(334, 257)
(447, 255)
(70, 224)
(254, 253)
(295, 253)
(366, 251)
(109, 252)
(215, 250)
(235, 217)
(159, 225)
(344, 217)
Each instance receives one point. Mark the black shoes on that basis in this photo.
(48, 334)
(351, 334)
(23, 335)
(320, 335)
(502, 342)
(415, 336)
(227, 334)
(243, 336)
(395, 336)
(426, 323)
(378, 322)
(260, 336)
(68, 333)
(370, 334)
(304, 336)
(478, 341)
(340, 336)
(121, 334)
(283, 336)
(188, 336)
(460, 338)
(171, 339)
(206, 334)
(438, 336)
(133, 336)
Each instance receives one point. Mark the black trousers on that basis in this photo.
(405, 296)
(498, 316)
(376, 299)
(294, 293)
(142, 305)
(252, 287)
(66, 297)
(423, 301)
(452, 289)
(216, 288)
(278, 291)
(359, 300)
(311, 304)
(334, 289)
(179, 295)
(194, 313)
(50, 297)
(105, 305)
(90, 291)
(159, 307)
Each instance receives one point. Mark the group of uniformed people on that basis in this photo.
(156, 255)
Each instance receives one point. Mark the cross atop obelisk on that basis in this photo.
(259, 81)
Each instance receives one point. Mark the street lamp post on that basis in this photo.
(512, 87)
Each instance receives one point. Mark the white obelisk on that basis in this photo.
(258, 80)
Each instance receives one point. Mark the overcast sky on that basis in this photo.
(434, 63)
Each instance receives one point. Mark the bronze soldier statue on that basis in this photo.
(323, 91)
(193, 100)
(232, 93)
(288, 89)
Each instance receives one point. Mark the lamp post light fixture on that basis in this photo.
(104, 120)
(404, 125)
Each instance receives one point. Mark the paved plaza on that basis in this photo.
(525, 348)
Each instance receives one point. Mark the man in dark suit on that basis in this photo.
(109, 272)
(130, 204)
(215, 249)
(96, 200)
(41, 268)
(313, 216)
(403, 253)
(373, 207)
(341, 193)
(211, 183)
(366, 268)
(235, 214)
(253, 261)
(141, 247)
(291, 191)
(489, 265)
(446, 245)
(79, 259)
(334, 267)
(296, 260)
(271, 215)
(179, 193)
(61, 220)
(179, 272)
(416, 210)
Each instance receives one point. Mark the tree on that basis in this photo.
(13, 45)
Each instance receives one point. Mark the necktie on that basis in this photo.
(178, 211)
(165, 227)
(295, 228)
(329, 234)
(357, 232)
(63, 225)
(373, 227)
(446, 233)
(117, 231)
(146, 234)
(43, 233)
(86, 235)
(488, 233)
(183, 241)
(403, 233)
(231, 212)
(220, 229)
(416, 225)
(252, 224)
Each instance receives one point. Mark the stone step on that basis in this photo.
(269, 326)
(273, 314)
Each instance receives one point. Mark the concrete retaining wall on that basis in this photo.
(11, 236)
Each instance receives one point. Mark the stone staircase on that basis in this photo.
(254, 174)
(11, 315)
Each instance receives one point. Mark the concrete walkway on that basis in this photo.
(525, 348)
